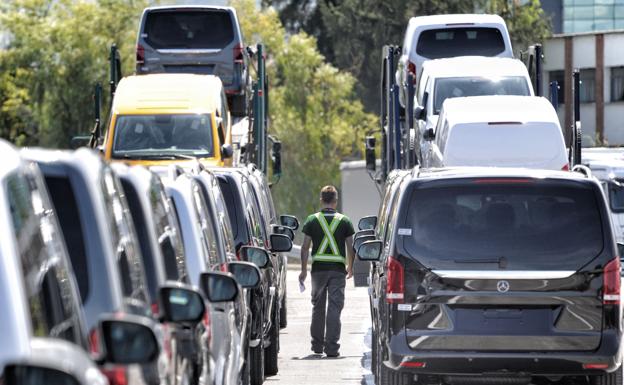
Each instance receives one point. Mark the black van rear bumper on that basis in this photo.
(606, 358)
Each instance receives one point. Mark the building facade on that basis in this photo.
(599, 56)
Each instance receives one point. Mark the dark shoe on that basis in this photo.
(333, 355)
(317, 351)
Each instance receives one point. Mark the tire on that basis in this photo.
(256, 364)
(238, 105)
(387, 376)
(614, 378)
(283, 312)
(270, 353)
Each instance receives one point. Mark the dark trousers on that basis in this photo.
(328, 291)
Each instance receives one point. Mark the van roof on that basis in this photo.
(494, 172)
(189, 6)
(443, 20)
(467, 66)
(498, 108)
(167, 93)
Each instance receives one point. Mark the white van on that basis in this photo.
(607, 165)
(464, 76)
(498, 131)
(444, 36)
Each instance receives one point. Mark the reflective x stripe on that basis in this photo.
(329, 230)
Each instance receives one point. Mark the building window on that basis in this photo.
(617, 84)
(588, 86)
(558, 76)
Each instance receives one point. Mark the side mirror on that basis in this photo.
(367, 223)
(280, 243)
(429, 134)
(362, 233)
(289, 221)
(255, 255)
(420, 113)
(284, 231)
(226, 151)
(371, 160)
(246, 273)
(276, 154)
(357, 242)
(218, 286)
(128, 340)
(28, 375)
(370, 251)
(181, 304)
(79, 141)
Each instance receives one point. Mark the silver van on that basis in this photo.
(196, 39)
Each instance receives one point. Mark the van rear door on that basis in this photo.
(506, 264)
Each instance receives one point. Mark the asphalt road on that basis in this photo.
(299, 366)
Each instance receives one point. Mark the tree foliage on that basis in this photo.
(58, 50)
(351, 33)
(314, 109)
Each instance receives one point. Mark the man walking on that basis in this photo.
(331, 236)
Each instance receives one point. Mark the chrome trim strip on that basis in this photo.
(504, 274)
(188, 51)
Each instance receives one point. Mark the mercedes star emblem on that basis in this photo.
(502, 286)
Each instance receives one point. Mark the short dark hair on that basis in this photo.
(329, 194)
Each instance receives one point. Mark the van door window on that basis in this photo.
(223, 218)
(209, 236)
(257, 229)
(176, 240)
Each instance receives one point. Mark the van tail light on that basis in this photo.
(116, 375)
(94, 343)
(140, 54)
(238, 54)
(395, 285)
(208, 326)
(155, 309)
(611, 282)
(566, 167)
(411, 68)
(223, 267)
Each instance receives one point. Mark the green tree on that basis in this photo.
(314, 109)
(351, 33)
(58, 50)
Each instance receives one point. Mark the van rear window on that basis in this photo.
(513, 225)
(189, 29)
(451, 42)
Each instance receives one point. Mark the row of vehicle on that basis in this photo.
(164, 276)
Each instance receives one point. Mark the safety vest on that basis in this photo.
(328, 250)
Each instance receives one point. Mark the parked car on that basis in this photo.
(496, 274)
(101, 241)
(464, 76)
(500, 131)
(44, 333)
(284, 224)
(169, 118)
(196, 39)
(164, 260)
(224, 342)
(445, 36)
(249, 230)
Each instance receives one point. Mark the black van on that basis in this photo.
(496, 275)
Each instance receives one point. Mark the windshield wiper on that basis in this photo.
(158, 156)
(501, 262)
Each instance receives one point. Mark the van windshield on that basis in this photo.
(166, 136)
(189, 29)
(494, 224)
(455, 87)
(452, 42)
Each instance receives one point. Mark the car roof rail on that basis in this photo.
(582, 169)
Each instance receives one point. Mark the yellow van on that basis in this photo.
(170, 118)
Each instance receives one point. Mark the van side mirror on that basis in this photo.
(180, 304)
(357, 242)
(280, 243)
(226, 151)
(290, 221)
(419, 113)
(255, 255)
(218, 286)
(128, 339)
(369, 143)
(31, 374)
(370, 251)
(284, 230)
(367, 223)
(247, 274)
(79, 141)
(429, 134)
